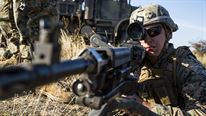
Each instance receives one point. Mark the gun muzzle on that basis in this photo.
(136, 31)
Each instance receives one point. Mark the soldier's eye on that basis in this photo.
(154, 31)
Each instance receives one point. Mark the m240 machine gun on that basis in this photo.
(108, 77)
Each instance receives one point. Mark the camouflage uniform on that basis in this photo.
(7, 31)
(176, 83)
(9, 35)
(19, 24)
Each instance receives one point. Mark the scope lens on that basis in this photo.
(135, 31)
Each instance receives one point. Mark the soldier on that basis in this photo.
(19, 25)
(8, 31)
(174, 81)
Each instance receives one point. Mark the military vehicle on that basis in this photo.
(108, 18)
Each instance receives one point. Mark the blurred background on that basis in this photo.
(189, 15)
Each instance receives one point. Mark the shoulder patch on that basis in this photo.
(186, 58)
(183, 51)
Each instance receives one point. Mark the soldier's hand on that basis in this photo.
(139, 100)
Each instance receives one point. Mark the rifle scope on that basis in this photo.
(136, 31)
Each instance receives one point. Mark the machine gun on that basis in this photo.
(108, 73)
(107, 18)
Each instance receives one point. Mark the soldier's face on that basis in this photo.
(155, 40)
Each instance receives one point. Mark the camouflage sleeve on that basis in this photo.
(191, 80)
(4, 10)
(192, 83)
(5, 26)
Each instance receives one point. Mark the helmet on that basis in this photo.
(151, 14)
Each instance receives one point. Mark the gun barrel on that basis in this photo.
(70, 67)
(17, 79)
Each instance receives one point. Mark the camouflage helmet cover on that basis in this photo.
(151, 14)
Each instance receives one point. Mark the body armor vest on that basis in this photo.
(159, 83)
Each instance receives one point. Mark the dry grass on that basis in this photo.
(36, 103)
(201, 57)
(71, 45)
(200, 51)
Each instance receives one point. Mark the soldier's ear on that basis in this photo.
(168, 32)
(169, 35)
